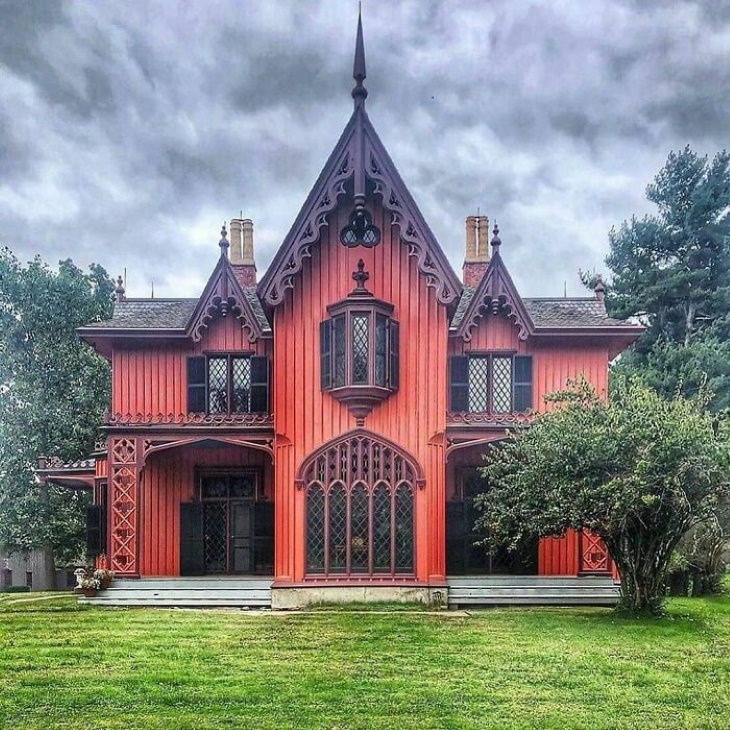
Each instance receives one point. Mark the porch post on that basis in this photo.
(124, 502)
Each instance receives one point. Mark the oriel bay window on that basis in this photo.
(228, 383)
(494, 383)
(359, 353)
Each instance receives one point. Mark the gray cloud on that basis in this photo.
(129, 131)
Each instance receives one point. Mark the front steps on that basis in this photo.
(511, 590)
(463, 592)
(186, 592)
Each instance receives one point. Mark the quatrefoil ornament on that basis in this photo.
(360, 231)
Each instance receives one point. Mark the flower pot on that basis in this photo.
(105, 583)
(88, 592)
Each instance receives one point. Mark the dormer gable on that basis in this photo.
(223, 296)
(495, 294)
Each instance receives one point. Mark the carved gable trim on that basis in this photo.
(359, 153)
(223, 297)
(495, 295)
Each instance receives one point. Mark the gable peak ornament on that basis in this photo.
(360, 230)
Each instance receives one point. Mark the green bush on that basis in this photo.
(15, 589)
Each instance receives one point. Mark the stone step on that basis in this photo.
(209, 602)
(529, 580)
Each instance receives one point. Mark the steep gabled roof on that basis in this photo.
(359, 156)
(496, 293)
(223, 296)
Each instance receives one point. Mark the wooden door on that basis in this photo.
(240, 545)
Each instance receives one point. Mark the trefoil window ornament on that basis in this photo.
(360, 230)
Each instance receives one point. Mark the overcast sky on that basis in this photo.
(130, 130)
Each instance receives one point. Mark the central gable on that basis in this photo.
(358, 169)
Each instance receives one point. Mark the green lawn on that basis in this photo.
(62, 666)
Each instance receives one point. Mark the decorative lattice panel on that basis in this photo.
(593, 554)
(501, 384)
(478, 384)
(337, 529)
(216, 535)
(360, 346)
(218, 385)
(240, 384)
(315, 529)
(123, 506)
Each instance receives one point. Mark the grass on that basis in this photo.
(65, 666)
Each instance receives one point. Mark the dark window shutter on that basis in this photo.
(522, 383)
(259, 384)
(191, 539)
(196, 385)
(94, 530)
(459, 379)
(393, 356)
(325, 354)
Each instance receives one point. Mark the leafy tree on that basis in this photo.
(672, 271)
(639, 471)
(53, 390)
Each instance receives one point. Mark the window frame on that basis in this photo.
(490, 356)
(341, 318)
(205, 386)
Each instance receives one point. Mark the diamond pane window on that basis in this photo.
(358, 523)
(315, 529)
(478, 384)
(382, 529)
(228, 384)
(501, 384)
(360, 346)
(240, 384)
(217, 385)
(337, 529)
(403, 529)
(359, 529)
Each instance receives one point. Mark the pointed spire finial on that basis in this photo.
(223, 243)
(359, 93)
(496, 240)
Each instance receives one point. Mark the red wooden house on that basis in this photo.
(316, 432)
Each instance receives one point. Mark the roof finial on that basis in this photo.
(119, 290)
(223, 243)
(359, 93)
(496, 240)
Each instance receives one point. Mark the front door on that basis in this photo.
(228, 509)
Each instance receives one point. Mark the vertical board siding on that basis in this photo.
(152, 379)
(168, 479)
(414, 417)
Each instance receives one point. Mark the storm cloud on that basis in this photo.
(130, 131)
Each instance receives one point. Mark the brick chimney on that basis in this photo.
(476, 259)
(242, 261)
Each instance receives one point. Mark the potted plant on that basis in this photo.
(105, 577)
(87, 586)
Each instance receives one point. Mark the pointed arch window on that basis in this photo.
(360, 511)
